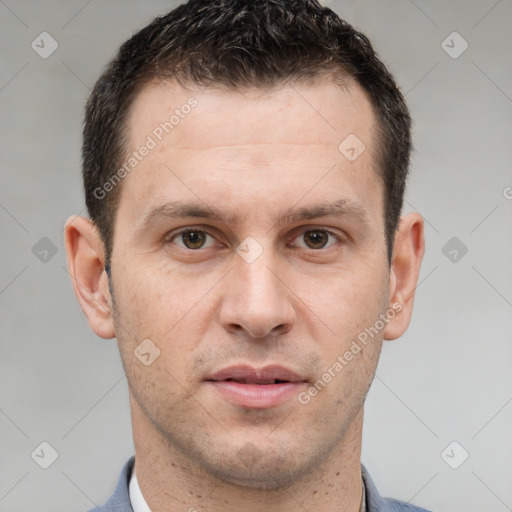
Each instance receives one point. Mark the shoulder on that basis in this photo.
(402, 506)
(120, 500)
(376, 503)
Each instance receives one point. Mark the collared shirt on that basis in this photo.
(373, 502)
(136, 498)
(139, 503)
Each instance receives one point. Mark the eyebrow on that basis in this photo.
(183, 210)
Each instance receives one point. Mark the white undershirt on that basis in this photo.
(137, 500)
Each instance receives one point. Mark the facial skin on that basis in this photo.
(299, 304)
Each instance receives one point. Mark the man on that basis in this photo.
(244, 164)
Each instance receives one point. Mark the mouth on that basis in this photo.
(254, 381)
(254, 388)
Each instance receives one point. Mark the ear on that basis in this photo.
(86, 263)
(408, 250)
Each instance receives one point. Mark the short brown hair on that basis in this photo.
(239, 44)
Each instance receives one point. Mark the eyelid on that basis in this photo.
(174, 234)
(299, 230)
(334, 234)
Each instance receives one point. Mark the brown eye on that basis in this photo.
(317, 239)
(190, 239)
(194, 238)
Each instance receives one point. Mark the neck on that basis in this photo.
(169, 480)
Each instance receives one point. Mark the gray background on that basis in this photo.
(448, 379)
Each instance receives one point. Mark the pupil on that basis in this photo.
(317, 236)
(195, 238)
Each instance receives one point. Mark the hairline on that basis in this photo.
(334, 73)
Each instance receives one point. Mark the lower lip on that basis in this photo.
(257, 396)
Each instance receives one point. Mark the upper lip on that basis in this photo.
(250, 375)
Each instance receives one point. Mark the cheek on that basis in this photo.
(148, 310)
(346, 302)
(162, 305)
(155, 298)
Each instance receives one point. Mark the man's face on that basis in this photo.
(258, 288)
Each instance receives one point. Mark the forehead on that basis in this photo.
(251, 147)
(321, 113)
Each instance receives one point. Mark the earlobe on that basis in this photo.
(408, 251)
(85, 256)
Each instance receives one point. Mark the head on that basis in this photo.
(240, 45)
(244, 165)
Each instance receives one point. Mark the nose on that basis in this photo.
(257, 300)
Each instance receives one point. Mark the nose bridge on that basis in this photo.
(258, 278)
(257, 301)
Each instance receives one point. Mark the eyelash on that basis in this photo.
(169, 239)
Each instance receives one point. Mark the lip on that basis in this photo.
(269, 372)
(250, 387)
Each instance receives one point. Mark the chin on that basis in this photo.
(264, 478)
(262, 485)
(260, 468)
